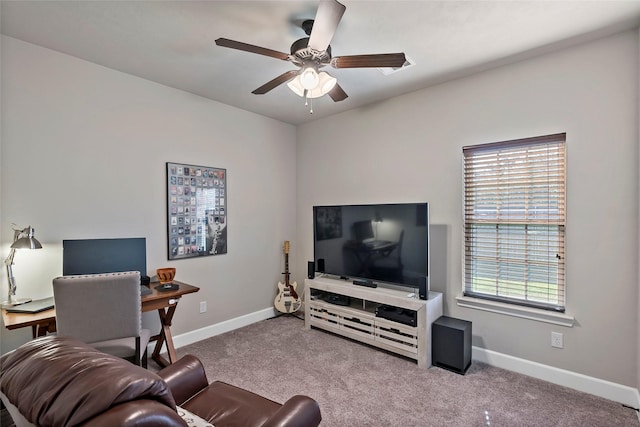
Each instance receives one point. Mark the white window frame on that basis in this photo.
(514, 224)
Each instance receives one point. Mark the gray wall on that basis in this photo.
(410, 149)
(96, 142)
(83, 156)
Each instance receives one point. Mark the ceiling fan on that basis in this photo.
(312, 53)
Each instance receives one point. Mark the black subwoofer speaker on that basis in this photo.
(451, 344)
(311, 270)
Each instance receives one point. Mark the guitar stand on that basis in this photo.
(287, 314)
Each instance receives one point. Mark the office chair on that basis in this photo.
(104, 311)
(390, 265)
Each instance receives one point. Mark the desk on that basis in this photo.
(165, 302)
(367, 252)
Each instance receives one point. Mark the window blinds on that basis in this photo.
(514, 221)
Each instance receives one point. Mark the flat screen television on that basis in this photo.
(375, 243)
(93, 256)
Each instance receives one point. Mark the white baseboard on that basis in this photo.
(222, 327)
(608, 390)
(618, 393)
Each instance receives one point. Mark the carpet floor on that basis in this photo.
(361, 386)
(357, 385)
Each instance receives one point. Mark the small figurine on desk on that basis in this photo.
(165, 276)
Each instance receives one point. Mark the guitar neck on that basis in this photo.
(286, 269)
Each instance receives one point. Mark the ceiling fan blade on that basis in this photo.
(284, 77)
(327, 19)
(393, 60)
(251, 48)
(337, 94)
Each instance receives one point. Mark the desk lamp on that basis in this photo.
(22, 239)
(376, 221)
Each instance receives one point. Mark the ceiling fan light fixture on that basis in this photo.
(309, 78)
(296, 86)
(326, 82)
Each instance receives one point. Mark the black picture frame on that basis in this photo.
(328, 222)
(196, 211)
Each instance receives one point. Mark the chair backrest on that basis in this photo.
(98, 307)
(400, 242)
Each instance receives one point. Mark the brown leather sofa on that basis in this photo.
(59, 381)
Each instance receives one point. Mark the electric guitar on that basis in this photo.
(287, 300)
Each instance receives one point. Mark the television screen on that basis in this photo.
(93, 256)
(378, 243)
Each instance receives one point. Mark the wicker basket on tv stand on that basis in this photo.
(358, 321)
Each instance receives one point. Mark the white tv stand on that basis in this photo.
(359, 322)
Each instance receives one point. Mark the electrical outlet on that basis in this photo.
(203, 306)
(557, 340)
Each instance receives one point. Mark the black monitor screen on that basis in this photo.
(93, 256)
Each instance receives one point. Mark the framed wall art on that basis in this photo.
(329, 222)
(196, 211)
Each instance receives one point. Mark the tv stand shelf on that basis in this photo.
(359, 322)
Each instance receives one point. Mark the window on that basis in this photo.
(514, 221)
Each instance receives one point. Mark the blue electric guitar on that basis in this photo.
(287, 300)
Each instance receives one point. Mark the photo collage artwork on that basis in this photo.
(196, 210)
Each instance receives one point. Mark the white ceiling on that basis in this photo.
(173, 42)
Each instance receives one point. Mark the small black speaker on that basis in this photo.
(423, 292)
(320, 268)
(451, 344)
(311, 270)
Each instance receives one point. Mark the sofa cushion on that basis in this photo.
(192, 419)
(224, 404)
(61, 381)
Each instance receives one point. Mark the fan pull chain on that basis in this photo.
(307, 102)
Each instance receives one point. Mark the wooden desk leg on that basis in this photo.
(41, 329)
(165, 337)
(51, 327)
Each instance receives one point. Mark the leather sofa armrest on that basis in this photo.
(185, 378)
(137, 413)
(297, 411)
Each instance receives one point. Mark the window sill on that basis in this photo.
(517, 311)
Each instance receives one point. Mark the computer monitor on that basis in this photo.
(93, 256)
(363, 230)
